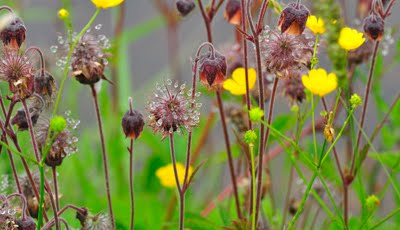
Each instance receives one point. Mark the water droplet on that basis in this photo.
(98, 26)
(171, 130)
(183, 86)
(159, 122)
(311, 43)
(168, 81)
(176, 84)
(60, 40)
(11, 212)
(53, 49)
(102, 37)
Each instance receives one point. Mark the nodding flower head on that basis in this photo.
(293, 19)
(212, 68)
(172, 110)
(284, 53)
(14, 33)
(374, 26)
(64, 143)
(88, 60)
(96, 222)
(233, 12)
(132, 122)
(20, 120)
(25, 224)
(184, 7)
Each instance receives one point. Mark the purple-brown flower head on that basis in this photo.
(284, 53)
(294, 89)
(25, 224)
(88, 60)
(64, 143)
(14, 33)
(293, 19)
(7, 218)
(212, 69)
(374, 26)
(171, 109)
(184, 7)
(132, 122)
(20, 120)
(44, 84)
(233, 12)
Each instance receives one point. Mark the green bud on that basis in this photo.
(295, 108)
(355, 100)
(58, 124)
(372, 202)
(250, 137)
(256, 114)
(323, 113)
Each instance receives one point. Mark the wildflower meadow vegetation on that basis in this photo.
(288, 123)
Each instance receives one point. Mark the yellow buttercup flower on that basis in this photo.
(166, 174)
(350, 39)
(106, 3)
(319, 82)
(63, 14)
(237, 85)
(316, 25)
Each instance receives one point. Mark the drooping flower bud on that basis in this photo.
(293, 19)
(25, 224)
(184, 7)
(233, 12)
(374, 26)
(132, 123)
(212, 69)
(14, 33)
(20, 120)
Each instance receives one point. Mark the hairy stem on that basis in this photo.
(104, 155)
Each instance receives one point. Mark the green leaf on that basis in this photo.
(390, 159)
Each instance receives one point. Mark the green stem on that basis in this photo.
(71, 49)
(40, 215)
(314, 62)
(313, 125)
(253, 178)
(395, 212)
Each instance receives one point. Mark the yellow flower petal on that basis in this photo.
(166, 174)
(106, 3)
(319, 82)
(237, 85)
(316, 25)
(350, 39)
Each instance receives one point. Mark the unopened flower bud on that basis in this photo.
(44, 84)
(132, 123)
(372, 202)
(63, 14)
(184, 7)
(212, 69)
(25, 224)
(329, 133)
(293, 19)
(374, 26)
(58, 124)
(355, 100)
(250, 137)
(256, 114)
(233, 12)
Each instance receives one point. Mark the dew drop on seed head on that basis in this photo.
(53, 49)
(169, 81)
(60, 40)
(98, 26)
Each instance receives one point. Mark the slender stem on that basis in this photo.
(287, 198)
(395, 212)
(41, 202)
(131, 185)
(207, 21)
(71, 49)
(245, 60)
(229, 153)
(253, 189)
(345, 186)
(365, 104)
(14, 170)
(313, 125)
(23, 200)
(104, 154)
(31, 130)
(53, 204)
(54, 169)
(178, 185)
(42, 62)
